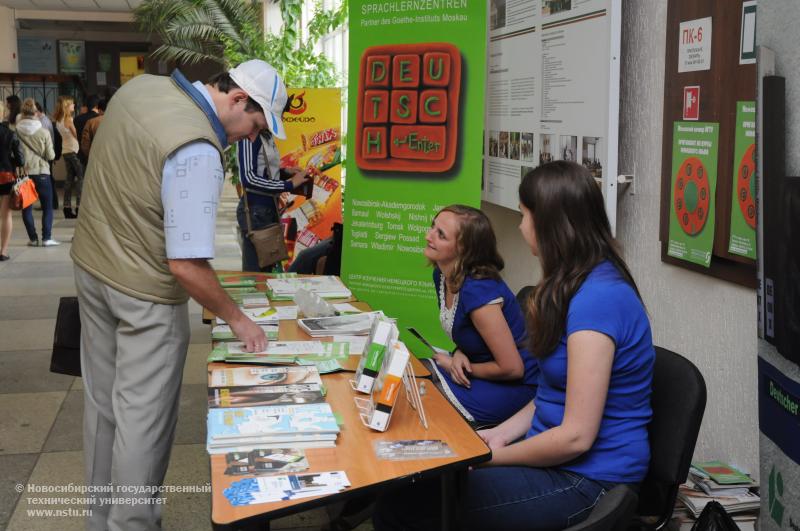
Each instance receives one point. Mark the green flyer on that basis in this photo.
(693, 188)
(743, 200)
(415, 136)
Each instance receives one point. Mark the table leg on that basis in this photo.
(449, 499)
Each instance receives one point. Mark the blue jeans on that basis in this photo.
(510, 498)
(45, 190)
(74, 179)
(261, 215)
(305, 263)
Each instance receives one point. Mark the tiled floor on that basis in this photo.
(41, 412)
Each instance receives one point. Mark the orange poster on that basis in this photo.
(313, 142)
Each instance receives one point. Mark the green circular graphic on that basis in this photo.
(690, 196)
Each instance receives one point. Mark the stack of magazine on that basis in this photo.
(264, 386)
(223, 332)
(353, 324)
(717, 481)
(249, 428)
(268, 407)
(326, 286)
(279, 352)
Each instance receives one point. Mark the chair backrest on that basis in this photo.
(613, 512)
(678, 402)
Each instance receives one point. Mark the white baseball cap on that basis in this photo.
(262, 83)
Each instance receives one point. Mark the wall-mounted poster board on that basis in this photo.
(552, 92)
(72, 57)
(709, 82)
(37, 55)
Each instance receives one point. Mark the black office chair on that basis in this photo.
(613, 512)
(678, 402)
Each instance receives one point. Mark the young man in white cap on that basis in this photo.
(141, 249)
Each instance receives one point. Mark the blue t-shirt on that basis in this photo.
(490, 401)
(607, 304)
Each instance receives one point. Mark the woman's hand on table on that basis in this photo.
(459, 369)
(494, 437)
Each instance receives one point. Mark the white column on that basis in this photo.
(9, 61)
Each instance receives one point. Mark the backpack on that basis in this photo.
(56, 142)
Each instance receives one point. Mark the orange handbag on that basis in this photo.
(23, 194)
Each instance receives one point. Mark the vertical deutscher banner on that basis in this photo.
(415, 137)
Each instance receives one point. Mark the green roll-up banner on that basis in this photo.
(414, 145)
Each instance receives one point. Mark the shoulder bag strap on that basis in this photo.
(22, 139)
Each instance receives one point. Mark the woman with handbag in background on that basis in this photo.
(11, 158)
(37, 145)
(65, 108)
(262, 182)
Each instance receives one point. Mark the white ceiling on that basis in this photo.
(73, 5)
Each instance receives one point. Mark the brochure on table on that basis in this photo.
(417, 82)
(552, 92)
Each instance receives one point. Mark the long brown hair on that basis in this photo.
(573, 235)
(62, 109)
(476, 245)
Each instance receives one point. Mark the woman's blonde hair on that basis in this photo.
(62, 108)
(28, 109)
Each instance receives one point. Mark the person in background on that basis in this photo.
(152, 191)
(11, 160)
(48, 126)
(262, 181)
(305, 263)
(92, 111)
(491, 373)
(87, 137)
(69, 151)
(13, 104)
(586, 430)
(37, 146)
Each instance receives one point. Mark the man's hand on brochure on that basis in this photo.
(249, 333)
(299, 178)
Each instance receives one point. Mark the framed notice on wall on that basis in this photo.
(72, 57)
(552, 92)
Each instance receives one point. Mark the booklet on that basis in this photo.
(326, 286)
(356, 324)
(357, 343)
(242, 423)
(241, 280)
(224, 332)
(722, 473)
(251, 491)
(281, 352)
(265, 395)
(237, 294)
(247, 376)
(412, 449)
(265, 461)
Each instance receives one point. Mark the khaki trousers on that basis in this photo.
(132, 357)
